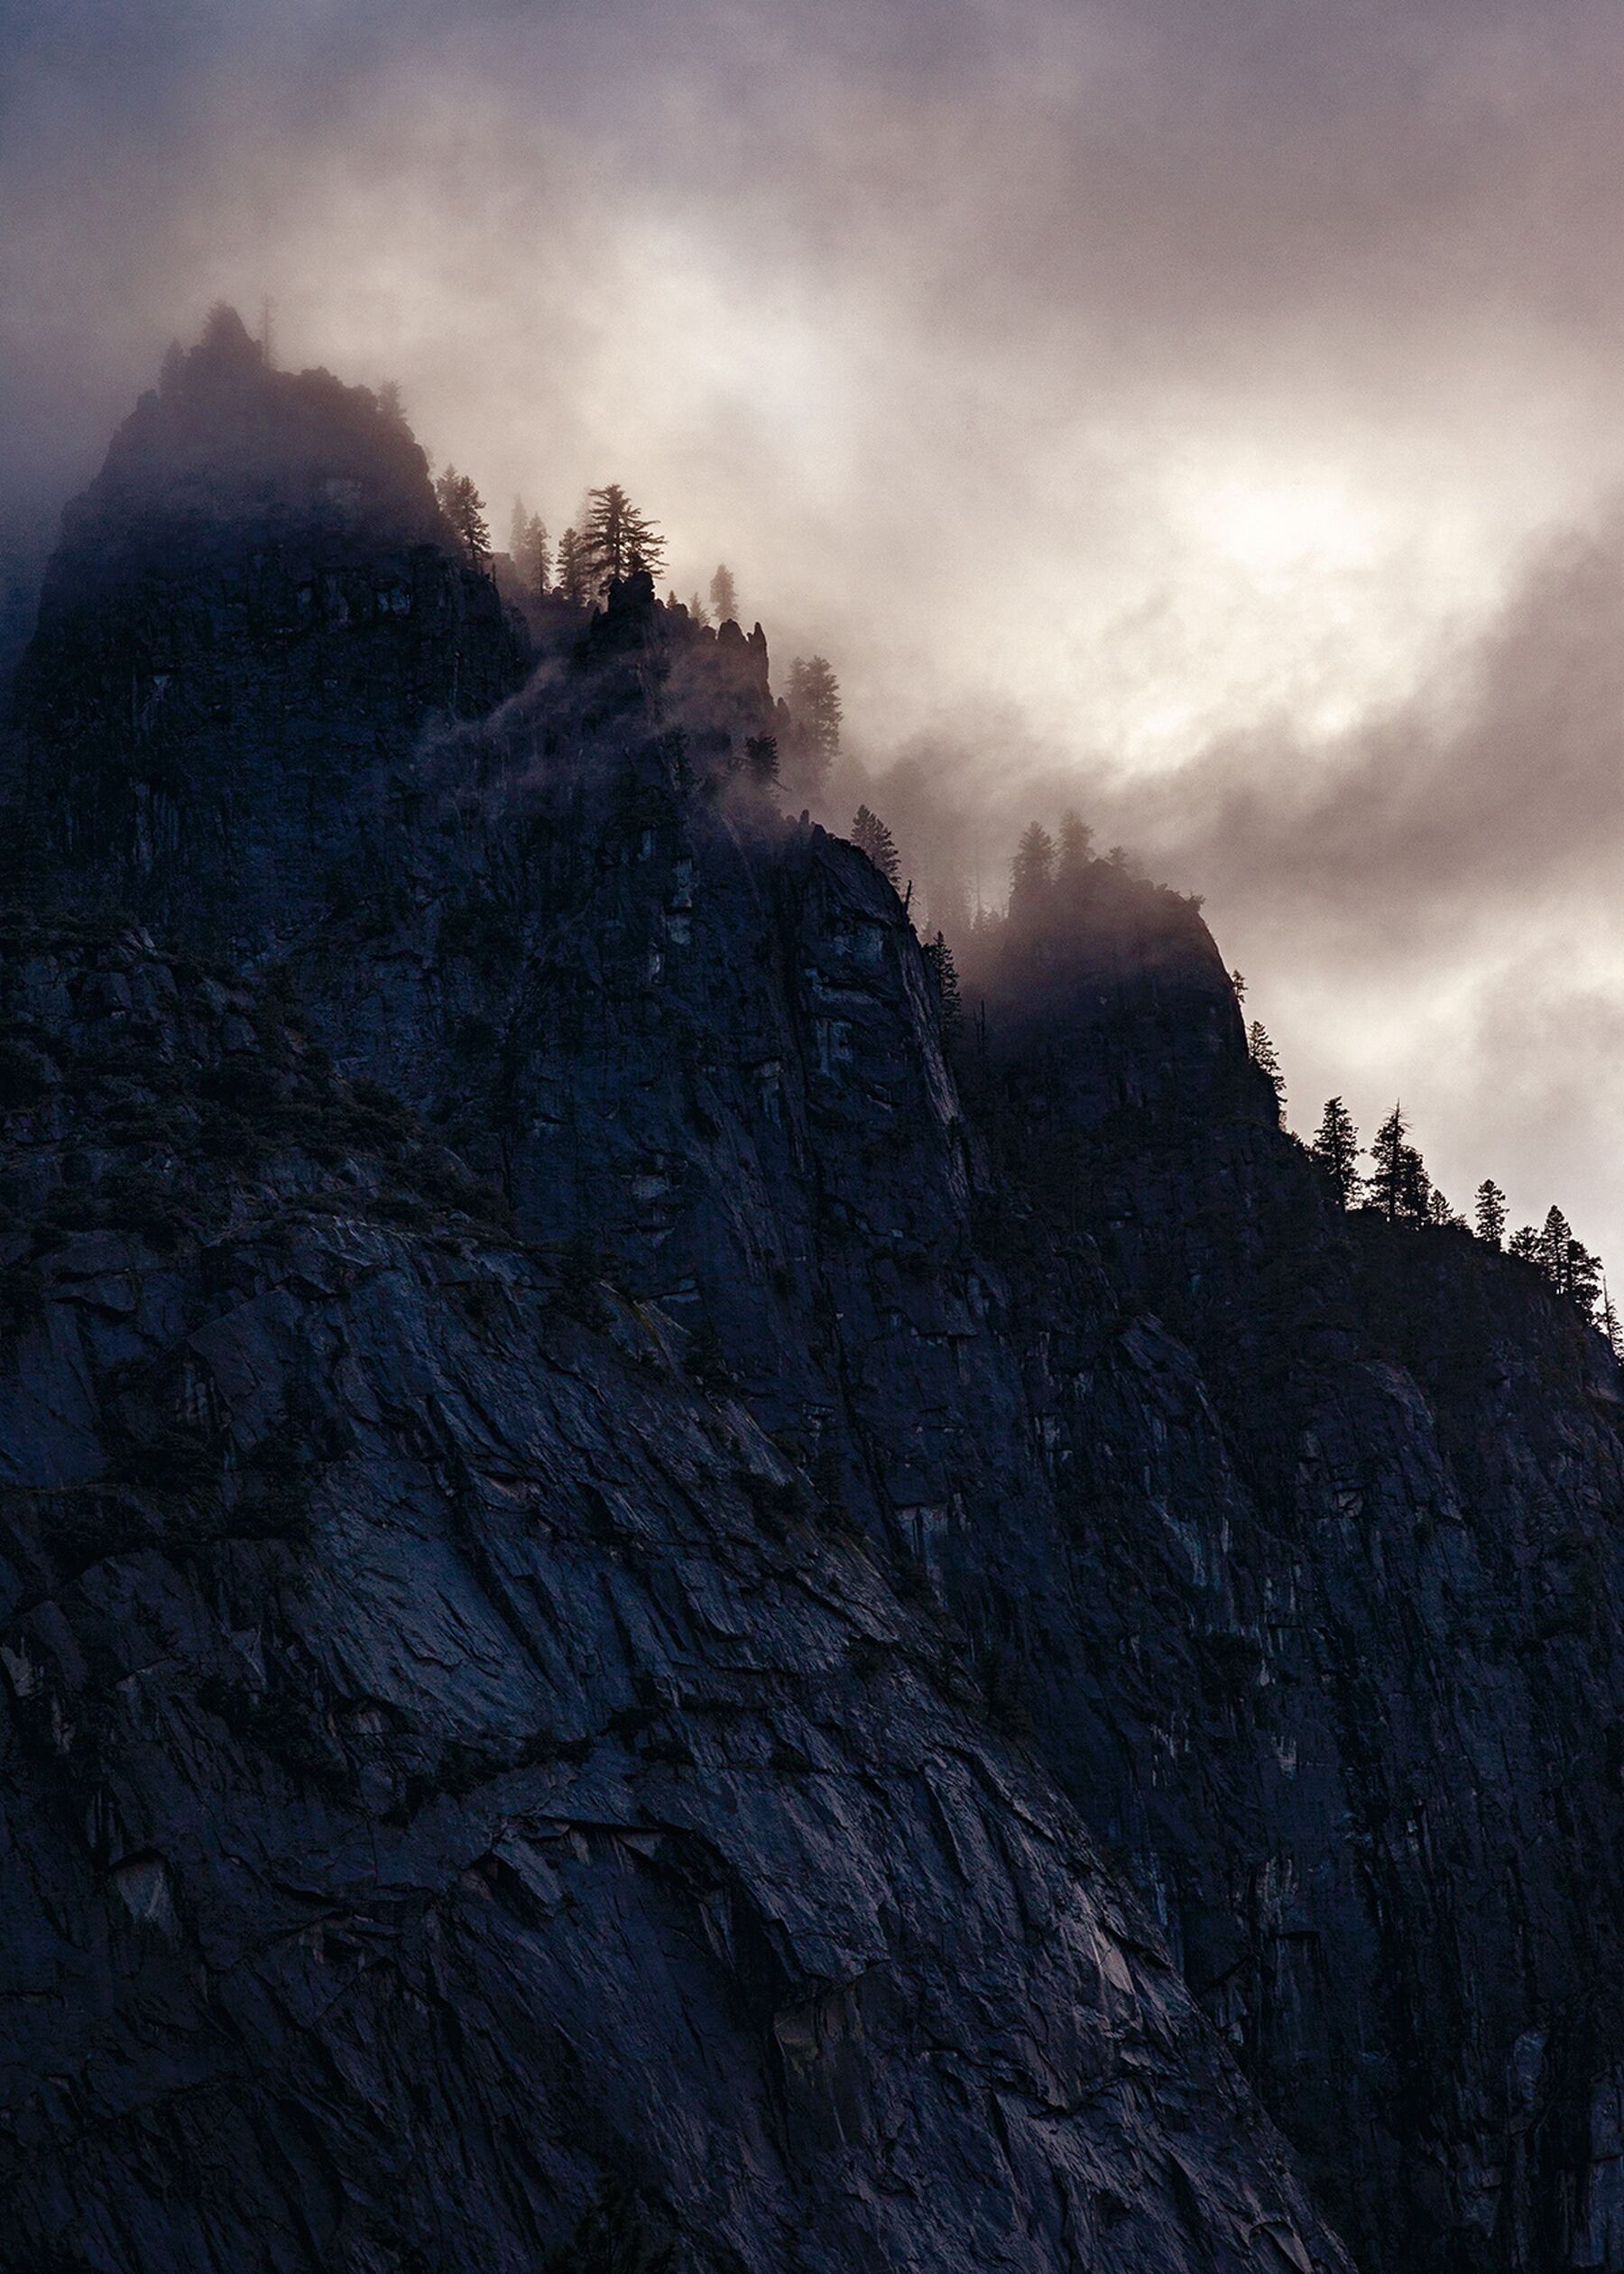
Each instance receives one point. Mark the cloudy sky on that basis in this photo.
(1210, 414)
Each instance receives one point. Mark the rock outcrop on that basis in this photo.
(254, 615)
(595, 1518)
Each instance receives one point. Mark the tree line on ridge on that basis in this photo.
(1396, 1185)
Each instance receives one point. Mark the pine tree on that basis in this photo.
(1490, 1212)
(464, 508)
(1076, 846)
(533, 554)
(815, 700)
(1336, 1147)
(1525, 1244)
(618, 539)
(697, 611)
(1386, 1183)
(1415, 1192)
(1585, 1284)
(575, 578)
(871, 836)
(1555, 1238)
(1239, 984)
(1264, 1058)
(1032, 870)
(1569, 1265)
(1607, 1319)
(938, 957)
(725, 595)
(762, 758)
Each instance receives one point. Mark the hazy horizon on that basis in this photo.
(1209, 419)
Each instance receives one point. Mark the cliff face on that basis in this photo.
(451, 1757)
(589, 1519)
(1339, 1509)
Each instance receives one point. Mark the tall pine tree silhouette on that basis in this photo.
(871, 836)
(1336, 1147)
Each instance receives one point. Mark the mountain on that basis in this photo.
(648, 1612)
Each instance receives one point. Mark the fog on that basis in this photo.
(1209, 417)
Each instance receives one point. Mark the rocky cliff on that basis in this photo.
(596, 1530)
(253, 616)
(1337, 1615)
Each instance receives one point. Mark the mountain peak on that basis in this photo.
(254, 610)
(229, 443)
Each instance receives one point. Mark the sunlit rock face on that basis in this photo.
(597, 1516)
